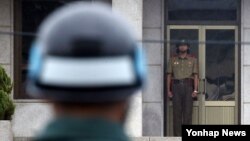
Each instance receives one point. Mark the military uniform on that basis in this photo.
(182, 70)
(78, 129)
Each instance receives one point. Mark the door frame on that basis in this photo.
(225, 103)
(201, 29)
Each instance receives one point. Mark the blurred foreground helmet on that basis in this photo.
(84, 52)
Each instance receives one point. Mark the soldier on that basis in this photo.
(182, 84)
(87, 62)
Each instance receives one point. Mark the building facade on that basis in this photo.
(224, 66)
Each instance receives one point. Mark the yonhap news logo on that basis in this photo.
(215, 132)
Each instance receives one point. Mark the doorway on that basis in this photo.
(217, 53)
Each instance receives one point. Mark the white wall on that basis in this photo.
(30, 118)
(245, 63)
(153, 95)
(6, 46)
(132, 11)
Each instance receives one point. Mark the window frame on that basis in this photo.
(18, 95)
(184, 22)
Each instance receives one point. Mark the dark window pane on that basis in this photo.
(220, 65)
(33, 13)
(28, 16)
(202, 10)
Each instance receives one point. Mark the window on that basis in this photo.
(202, 10)
(28, 15)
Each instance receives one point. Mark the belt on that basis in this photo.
(183, 81)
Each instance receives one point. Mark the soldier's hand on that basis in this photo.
(194, 94)
(170, 94)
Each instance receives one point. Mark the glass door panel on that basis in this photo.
(220, 65)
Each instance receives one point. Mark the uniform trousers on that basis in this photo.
(182, 104)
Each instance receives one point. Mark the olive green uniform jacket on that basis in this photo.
(182, 68)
